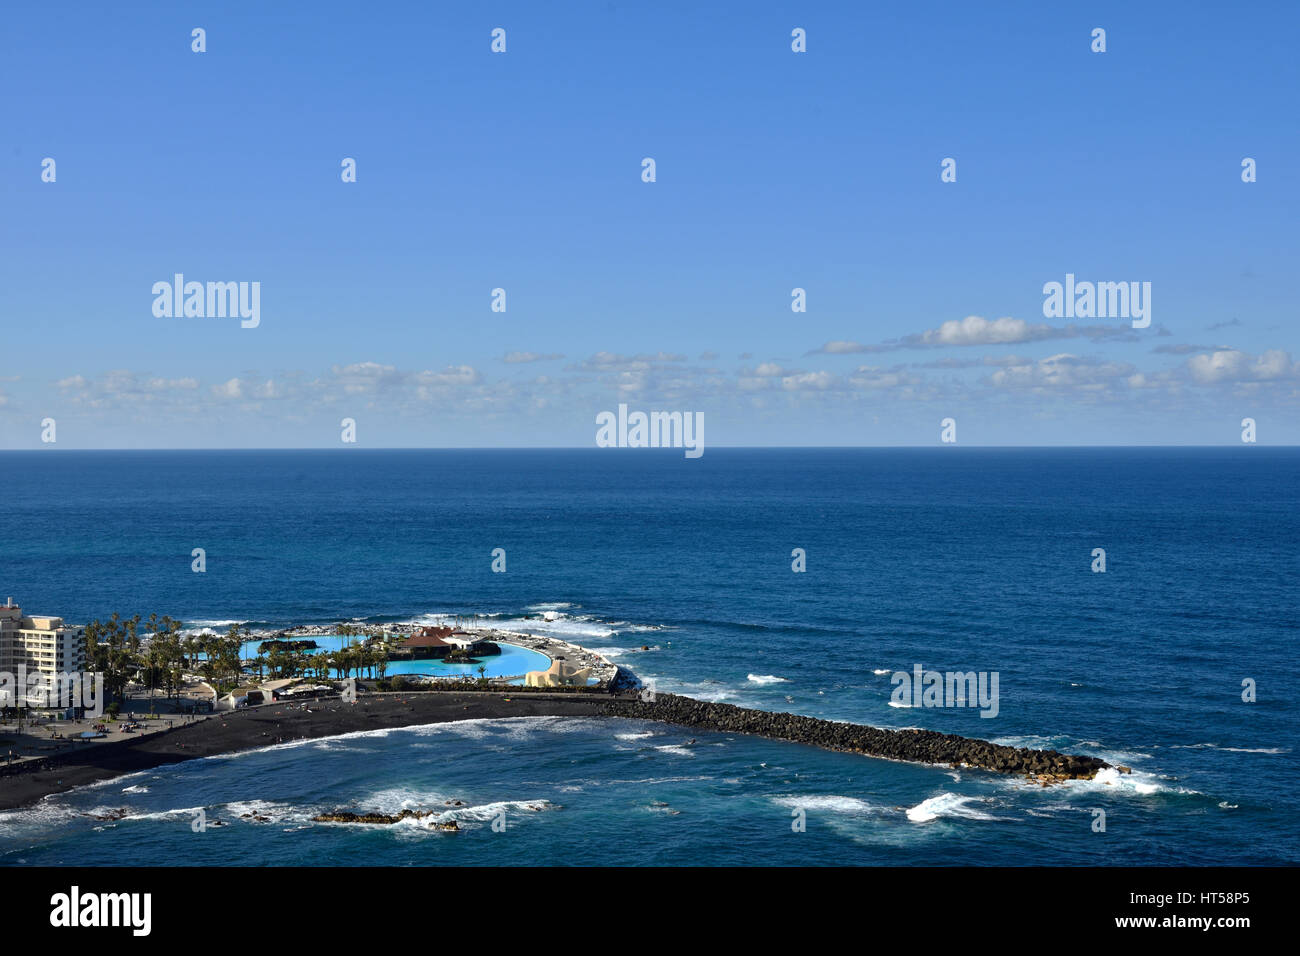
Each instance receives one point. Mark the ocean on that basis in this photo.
(953, 559)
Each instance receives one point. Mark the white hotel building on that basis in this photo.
(39, 643)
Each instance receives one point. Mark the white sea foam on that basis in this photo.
(830, 803)
(47, 812)
(556, 621)
(396, 799)
(1136, 783)
(677, 749)
(767, 679)
(151, 815)
(1272, 751)
(1067, 744)
(882, 670)
(946, 805)
(1032, 741)
(198, 627)
(113, 781)
(274, 812)
(634, 736)
(482, 813)
(712, 691)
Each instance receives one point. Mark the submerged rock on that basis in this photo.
(112, 816)
(383, 819)
(347, 816)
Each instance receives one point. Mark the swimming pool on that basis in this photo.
(512, 660)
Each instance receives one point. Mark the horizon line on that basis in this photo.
(359, 448)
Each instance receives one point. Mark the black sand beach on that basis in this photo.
(272, 724)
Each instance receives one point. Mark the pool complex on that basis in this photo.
(512, 661)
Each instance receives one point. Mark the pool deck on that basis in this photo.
(601, 668)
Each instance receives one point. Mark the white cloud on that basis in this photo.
(1231, 365)
(868, 376)
(366, 376)
(516, 358)
(807, 380)
(975, 330)
(840, 347)
(1062, 371)
(230, 389)
(451, 375)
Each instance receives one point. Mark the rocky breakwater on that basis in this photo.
(921, 746)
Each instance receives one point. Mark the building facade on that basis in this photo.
(39, 644)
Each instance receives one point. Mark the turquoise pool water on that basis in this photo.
(512, 660)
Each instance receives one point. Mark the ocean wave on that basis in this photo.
(766, 679)
(711, 691)
(508, 729)
(946, 805)
(396, 799)
(1272, 751)
(1067, 744)
(111, 782)
(150, 814)
(830, 803)
(482, 813)
(49, 811)
(1135, 783)
(676, 749)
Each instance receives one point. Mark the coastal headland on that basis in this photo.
(276, 723)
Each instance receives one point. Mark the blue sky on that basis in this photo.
(522, 170)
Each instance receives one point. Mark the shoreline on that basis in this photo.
(231, 732)
(270, 724)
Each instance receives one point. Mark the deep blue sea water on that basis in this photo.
(955, 559)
